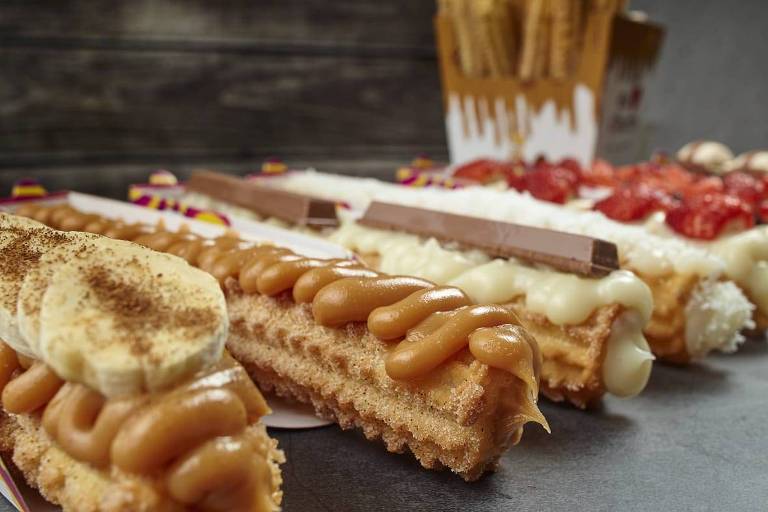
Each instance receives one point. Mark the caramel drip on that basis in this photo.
(311, 282)
(418, 355)
(174, 425)
(9, 363)
(394, 321)
(182, 435)
(85, 424)
(509, 348)
(31, 390)
(223, 463)
(340, 292)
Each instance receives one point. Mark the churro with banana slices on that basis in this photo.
(116, 392)
(420, 366)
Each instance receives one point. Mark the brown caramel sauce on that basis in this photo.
(193, 437)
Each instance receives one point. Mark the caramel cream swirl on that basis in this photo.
(193, 438)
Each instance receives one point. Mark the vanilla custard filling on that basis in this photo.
(564, 299)
(746, 262)
(628, 360)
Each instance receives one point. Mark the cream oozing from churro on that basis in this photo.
(746, 262)
(564, 299)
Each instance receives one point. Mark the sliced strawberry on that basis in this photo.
(483, 170)
(554, 184)
(745, 186)
(703, 186)
(674, 178)
(629, 174)
(707, 217)
(630, 204)
(601, 174)
(572, 165)
(517, 181)
(540, 164)
(764, 180)
(512, 169)
(762, 212)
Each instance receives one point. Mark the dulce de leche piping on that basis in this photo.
(433, 323)
(194, 438)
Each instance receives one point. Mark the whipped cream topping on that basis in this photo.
(746, 262)
(639, 250)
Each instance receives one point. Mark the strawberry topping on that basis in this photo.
(482, 171)
(555, 183)
(630, 204)
(709, 216)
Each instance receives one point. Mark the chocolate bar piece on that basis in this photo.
(564, 251)
(295, 208)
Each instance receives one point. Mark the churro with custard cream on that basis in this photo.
(696, 310)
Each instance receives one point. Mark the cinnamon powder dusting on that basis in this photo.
(141, 309)
(22, 253)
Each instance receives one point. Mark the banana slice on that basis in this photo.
(36, 280)
(23, 242)
(124, 319)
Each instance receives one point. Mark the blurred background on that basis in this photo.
(94, 94)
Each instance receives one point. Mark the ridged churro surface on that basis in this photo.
(461, 416)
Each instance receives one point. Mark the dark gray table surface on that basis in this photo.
(696, 439)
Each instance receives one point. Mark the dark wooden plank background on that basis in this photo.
(96, 92)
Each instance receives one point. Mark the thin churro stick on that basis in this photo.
(516, 15)
(480, 54)
(531, 28)
(502, 36)
(484, 20)
(561, 41)
(543, 42)
(455, 10)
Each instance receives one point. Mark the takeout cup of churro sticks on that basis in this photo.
(558, 78)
